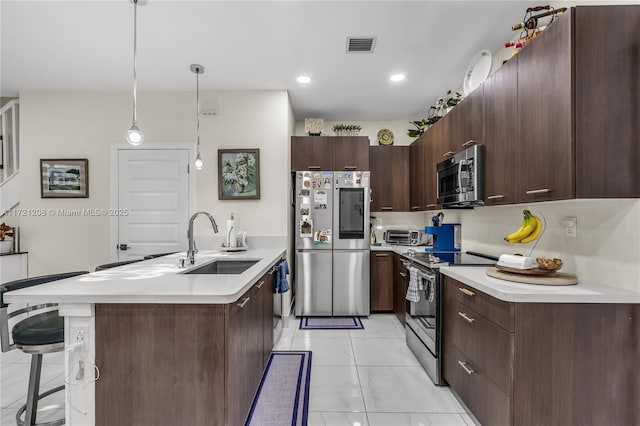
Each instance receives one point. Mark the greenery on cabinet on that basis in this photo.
(347, 129)
(435, 113)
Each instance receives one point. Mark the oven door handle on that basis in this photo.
(460, 164)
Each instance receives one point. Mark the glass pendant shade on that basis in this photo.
(197, 69)
(198, 163)
(135, 136)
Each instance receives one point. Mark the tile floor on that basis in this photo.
(370, 377)
(359, 377)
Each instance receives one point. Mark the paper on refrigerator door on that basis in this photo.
(322, 236)
(306, 227)
(320, 199)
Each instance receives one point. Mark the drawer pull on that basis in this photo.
(431, 205)
(350, 167)
(415, 207)
(386, 208)
(467, 143)
(403, 275)
(260, 284)
(495, 197)
(466, 317)
(466, 291)
(244, 302)
(382, 254)
(313, 167)
(448, 154)
(466, 368)
(538, 191)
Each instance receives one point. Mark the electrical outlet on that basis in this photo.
(81, 334)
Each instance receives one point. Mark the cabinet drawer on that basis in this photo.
(487, 345)
(493, 309)
(485, 400)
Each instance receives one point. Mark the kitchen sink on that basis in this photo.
(225, 266)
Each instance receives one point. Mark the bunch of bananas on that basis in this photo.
(529, 230)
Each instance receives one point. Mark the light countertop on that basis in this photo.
(158, 280)
(508, 291)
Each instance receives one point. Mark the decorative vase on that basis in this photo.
(6, 246)
(239, 187)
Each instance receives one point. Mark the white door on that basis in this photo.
(153, 187)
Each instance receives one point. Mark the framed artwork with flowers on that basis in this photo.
(238, 174)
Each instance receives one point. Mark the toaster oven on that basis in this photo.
(406, 237)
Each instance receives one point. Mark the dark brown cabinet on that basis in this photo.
(417, 170)
(389, 178)
(545, 115)
(501, 135)
(245, 349)
(329, 153)
(399, 288)
(541, 363)
(466, 122)
(381, 281)
(435, 151)
(266, 291)
(607, 108)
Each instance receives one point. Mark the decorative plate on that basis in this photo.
(385, 137)
(478, 71)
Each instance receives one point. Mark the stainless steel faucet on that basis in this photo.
(192, 244)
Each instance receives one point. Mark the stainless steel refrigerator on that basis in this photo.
(332, 243)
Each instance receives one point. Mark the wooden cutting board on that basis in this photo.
(557, 278)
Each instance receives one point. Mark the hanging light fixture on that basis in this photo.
(197, 69)
(135, 135)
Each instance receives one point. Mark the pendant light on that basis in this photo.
(197, 69)
(135, 135)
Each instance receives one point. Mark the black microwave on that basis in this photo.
(460, 178)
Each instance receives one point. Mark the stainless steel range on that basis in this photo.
(424, 316)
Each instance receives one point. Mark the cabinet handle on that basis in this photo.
(415, 207)
(538, 191)
(466, 317)
(382, 254)
(495, 197)
(467, 292)
(350, 167)
(244, 302)
(467, 143)
(313, 167)
(403, 275)
(260, 284)
(464, 366)
(431, 205)
(448, 154)
(386, 208)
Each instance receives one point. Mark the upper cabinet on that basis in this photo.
(417, 168)
(467, 122)
(607, 64)
(329, 153)
(501, 135)
(389, 178)
(545, 115)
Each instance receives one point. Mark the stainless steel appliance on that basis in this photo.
(331, 225)
(407, 237)
(424, 318)
(460, 178)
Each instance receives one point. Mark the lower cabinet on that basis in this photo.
(541, 363)
(180, 364)
(381, 281)
(399, 288)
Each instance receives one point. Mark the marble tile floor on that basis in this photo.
(359, 378)
(370, 378)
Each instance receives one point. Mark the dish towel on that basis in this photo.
(280, 284)
(415, 285)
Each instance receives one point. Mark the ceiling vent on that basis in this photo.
(360, 44)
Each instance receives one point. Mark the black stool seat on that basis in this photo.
(41, 329)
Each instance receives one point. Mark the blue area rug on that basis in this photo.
(283, 395)
(331, 323)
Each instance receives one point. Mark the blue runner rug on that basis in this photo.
(283, 395)
(331, 323)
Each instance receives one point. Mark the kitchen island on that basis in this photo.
(169, 347)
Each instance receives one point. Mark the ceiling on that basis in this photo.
(262, 45)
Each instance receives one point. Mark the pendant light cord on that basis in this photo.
(198, 108)
(135, 48)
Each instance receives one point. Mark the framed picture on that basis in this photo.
(238, 174)
(62, 178)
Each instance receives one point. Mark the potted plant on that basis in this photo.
(6, 245)
(347, 129)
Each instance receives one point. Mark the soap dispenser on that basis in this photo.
(231, 232)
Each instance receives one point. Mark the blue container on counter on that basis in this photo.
(446, 237)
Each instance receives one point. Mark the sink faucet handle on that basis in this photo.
(182, 263)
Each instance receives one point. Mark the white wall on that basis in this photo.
(606, 250)
(85, 125)
(369, 128)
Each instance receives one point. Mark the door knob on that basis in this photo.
(123, 247)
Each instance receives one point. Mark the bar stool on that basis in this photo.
(40, 332)
(115, 264)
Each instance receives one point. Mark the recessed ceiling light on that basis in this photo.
(304, 79)
(397, 77)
